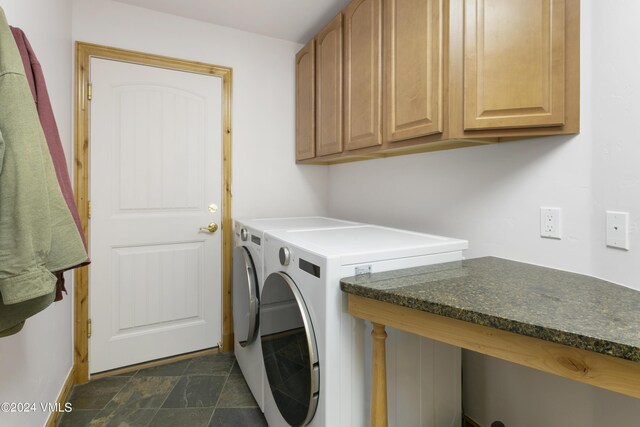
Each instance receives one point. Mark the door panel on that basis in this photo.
(155, 166)
(514, 63)
(305, 102)
(362, 74)
(329, 88)
(413, 65)
(153, 159)
(146, 295)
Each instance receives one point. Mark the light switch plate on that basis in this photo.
(618, 230)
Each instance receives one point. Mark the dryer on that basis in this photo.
(247, 283)
(314, 352)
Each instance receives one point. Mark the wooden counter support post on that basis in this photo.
(379, 377)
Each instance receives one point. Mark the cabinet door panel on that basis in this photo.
(413, 68)
(514, 63)
(329, 88)
(362, 77)
(305, 102)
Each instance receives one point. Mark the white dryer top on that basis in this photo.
(293, 223)
(368, 243)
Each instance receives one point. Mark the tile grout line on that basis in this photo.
(170, 391)
(155, 411)
(186, 374)
(151, 418)
(75, 389)
(110, 400)
(165, 399)
(129, 381)
(215, 408)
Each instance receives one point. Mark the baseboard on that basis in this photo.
(63, 398)
(154, 363)
(468, 422)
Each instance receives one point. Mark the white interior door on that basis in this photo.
(156, 167)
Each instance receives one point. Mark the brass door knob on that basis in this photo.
(211, 228)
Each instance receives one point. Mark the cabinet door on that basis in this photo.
(362, 76)
(514, 63)
(305, 102)
(329, 88)
(413, 68)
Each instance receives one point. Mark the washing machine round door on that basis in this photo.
(245, 297)
(289, 350)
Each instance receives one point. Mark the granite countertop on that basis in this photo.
(566, 308)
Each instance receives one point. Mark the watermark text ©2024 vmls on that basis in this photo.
(20, 407)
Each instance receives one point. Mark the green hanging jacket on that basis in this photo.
(37, 232)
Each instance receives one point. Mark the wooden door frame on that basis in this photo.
(84, 53)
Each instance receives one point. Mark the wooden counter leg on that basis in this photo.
(379, 378)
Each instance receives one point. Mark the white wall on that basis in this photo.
(266, 180)
(491, 196)
(616, 143)
(35, 363)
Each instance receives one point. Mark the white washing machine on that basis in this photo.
(247, 283)
(315, 352)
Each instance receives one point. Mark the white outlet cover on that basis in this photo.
(618, 230)
(550, 222)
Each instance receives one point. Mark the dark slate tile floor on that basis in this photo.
(207, 391)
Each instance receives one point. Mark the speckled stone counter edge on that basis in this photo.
(358, 286)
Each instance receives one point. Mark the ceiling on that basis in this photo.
(293, 20)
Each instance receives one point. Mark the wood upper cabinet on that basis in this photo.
(413, 68)
(329, 88)
(362, 74)
(305, 102)
(426, 75)
(514, 63)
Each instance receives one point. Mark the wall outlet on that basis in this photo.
(618, 230)
(550, 223)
